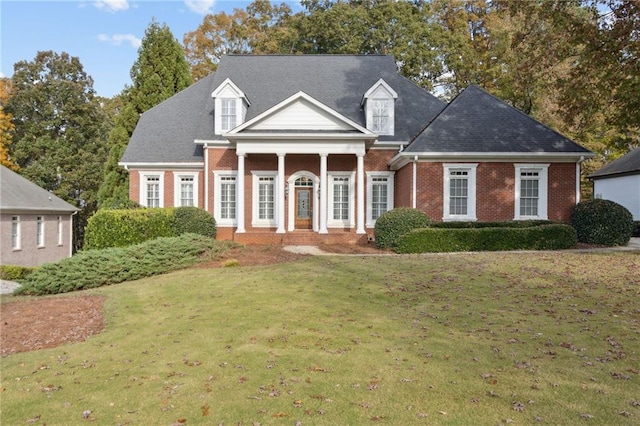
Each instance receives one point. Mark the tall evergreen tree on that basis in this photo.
(159, 72)
(58, 139)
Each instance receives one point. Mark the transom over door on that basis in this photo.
(304, 208)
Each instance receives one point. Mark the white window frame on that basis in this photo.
(371, 176)
(471, 169)
(229, 120)
(350, 221)
(177, 188)
(218, 180)
(40, 241)
(16, 237)
(543, 190)
(143, 187)
(256, 222)
(380, 92)
(59, 231)
(228, 91)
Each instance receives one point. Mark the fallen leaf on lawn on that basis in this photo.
(518, 406)
(625, 413)
(280, 415)
(587, 416)
(205, 410)
(34, 419)
(444, 413)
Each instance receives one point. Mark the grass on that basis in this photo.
(439, 339)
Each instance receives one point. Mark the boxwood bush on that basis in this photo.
(602, 222)
(121, 228)
(95, 268)
(439, 240)
(15, 272)
(394, 223)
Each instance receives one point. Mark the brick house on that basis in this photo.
(36, 226)
(303, 149)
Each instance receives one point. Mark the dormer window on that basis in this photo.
(379, 103)
(230, 107)
(228, 114)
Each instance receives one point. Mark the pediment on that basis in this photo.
(300, 113)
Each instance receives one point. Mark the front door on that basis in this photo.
(304, 208)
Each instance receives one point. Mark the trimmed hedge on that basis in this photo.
(604, 222)
(15, 272)
(95, 268)
(440, 240)
(394, 223)
(122, 228)
(511, 224)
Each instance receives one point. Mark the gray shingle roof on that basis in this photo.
(478, 122)
(628, 164)
(19, 194)
(166, 132)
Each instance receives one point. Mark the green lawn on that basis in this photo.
(486, 339)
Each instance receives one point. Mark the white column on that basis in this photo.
(324, 185)
(240, 196)
(414, 184)
(281, 203)
(360, 192)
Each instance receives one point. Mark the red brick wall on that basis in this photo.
(495, 190)
(169, 186)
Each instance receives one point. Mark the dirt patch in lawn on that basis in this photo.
(28, 325)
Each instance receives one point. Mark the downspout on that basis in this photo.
(414, 189)
(578, 178)
(206, 178)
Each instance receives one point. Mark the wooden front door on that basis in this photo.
(304, 208)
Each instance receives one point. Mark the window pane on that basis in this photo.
(266, 199)
(379, 197)
(15, 232)
(381, 116)
(529, 195)
(341, 198)
(39, 231)
(228, 197)
(458, 192)
(186, 191)
(228, 114)
(153, 191)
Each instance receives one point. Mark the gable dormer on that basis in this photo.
(230, 106)
(379, 105)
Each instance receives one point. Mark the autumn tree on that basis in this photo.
(6, 126)
(59, 126)
(159, 72)
(261, 28)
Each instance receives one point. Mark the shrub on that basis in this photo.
(439, 240)
(15, 272)
(602, 222)
(122, 228)
(394, 223)
(195, 221)
(95, 268)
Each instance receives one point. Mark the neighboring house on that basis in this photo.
(619, 181)
(36, 226)
(315, 148)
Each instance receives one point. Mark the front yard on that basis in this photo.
(489, 338)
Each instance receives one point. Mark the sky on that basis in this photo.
(103, 34)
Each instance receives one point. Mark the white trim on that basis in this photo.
(543, 189)
(470, 169)
(341, 223)
(291, 99)
(382, 92)
(217, 199)
(324, 184)
(279, 194)
(40, 235)
(256, 222)
(403, 158)
(300, 147)
(177, 176)
(389, 176)
(143, 186)
(206, 181)
(154, 166)
(392, 93)
(59, 224)
(228, 83)
(15, 219)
